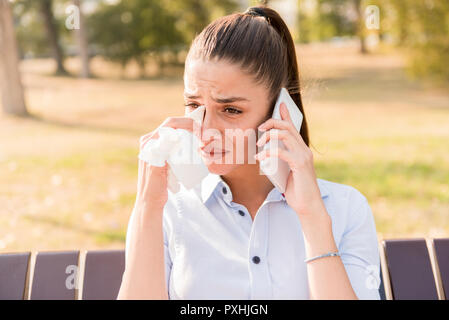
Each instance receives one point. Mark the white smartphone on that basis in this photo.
(276, 169)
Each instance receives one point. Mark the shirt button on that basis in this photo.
(241, 212)
(224, 190)
(256, 259)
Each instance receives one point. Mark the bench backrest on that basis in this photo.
(442, 255)
(414, 269)
(51, 276)
(103, 274)
(410, 270)
(13, 273)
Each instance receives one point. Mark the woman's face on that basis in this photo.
(235, 106)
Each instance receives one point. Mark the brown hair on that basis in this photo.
(259, 41)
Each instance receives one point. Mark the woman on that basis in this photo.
(236, 236)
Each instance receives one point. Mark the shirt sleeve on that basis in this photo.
(360, 252)
(166, 227)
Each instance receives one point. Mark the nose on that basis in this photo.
(209, 129)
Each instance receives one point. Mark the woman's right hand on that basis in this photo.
(152, 180)
(143, 277)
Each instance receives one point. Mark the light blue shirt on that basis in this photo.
(210, 243)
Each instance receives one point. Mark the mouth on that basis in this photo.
(214, 153)
(212, 149)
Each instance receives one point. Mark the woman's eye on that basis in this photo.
(229, 110)
(233, 111)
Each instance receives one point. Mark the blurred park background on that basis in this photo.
(82, 80)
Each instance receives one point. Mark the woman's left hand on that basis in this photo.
(302, 192)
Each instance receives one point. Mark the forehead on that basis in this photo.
(217, 77)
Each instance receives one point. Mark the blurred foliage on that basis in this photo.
(138, 29)
(421, 28)
(324, 19)
(194, 15)
(135, 29)
(32, 36)
(122, 30)
(30, 31)
(132, 29)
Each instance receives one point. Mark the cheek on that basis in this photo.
(238, 135)
(243, 149)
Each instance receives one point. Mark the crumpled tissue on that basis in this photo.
(179, 148)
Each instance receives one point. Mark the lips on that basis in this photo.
(214, 152)
(218, 151)
(208, 149)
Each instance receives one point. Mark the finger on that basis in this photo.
(179, 123)
(276, 152)
(285, 114)
(175, 123)
(184, 123)
(144, 139)
(279, 124)
(283, 135)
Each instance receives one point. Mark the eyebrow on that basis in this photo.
(219, 100)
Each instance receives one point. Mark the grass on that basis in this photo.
(68, 174)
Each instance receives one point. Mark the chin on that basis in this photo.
(220, 169)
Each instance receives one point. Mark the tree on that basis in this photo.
(10, 84)
(400, 21)
(429, 45)
(132, 30)
(53, 34)
(359, 9)
(194, 15)
(30, 31)
(82, 41)
(324, 19)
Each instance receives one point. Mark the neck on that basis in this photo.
(247, 183)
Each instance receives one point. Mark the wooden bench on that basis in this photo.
(410, 269)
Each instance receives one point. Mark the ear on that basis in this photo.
(285, 115)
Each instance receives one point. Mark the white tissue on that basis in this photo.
(179, 148)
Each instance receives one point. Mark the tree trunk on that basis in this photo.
(141, 63)
(11, 89)
(82, 43)
(53, 34)
(360, 25)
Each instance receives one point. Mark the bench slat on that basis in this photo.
(103, 274)
(54, 275)
(13, 272)
(410, 270)
(381, 287)
(442, 254)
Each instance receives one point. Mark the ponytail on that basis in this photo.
(293, 83)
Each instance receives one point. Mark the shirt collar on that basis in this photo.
(209, 184)
(212, 181)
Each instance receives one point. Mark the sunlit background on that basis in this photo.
(79, 87)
